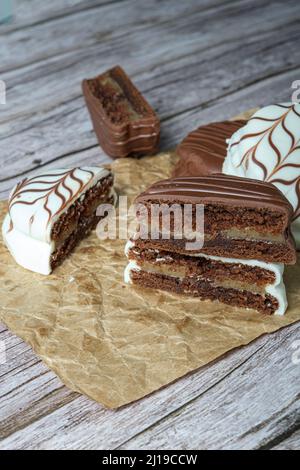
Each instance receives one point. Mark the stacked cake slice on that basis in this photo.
(246, 243)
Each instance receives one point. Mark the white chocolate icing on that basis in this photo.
(35, 204)
(129, 245)
(131, 266)
(277, 289)
(267, 148)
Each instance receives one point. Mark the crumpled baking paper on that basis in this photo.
(117, 343)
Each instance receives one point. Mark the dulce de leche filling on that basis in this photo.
(218, 274)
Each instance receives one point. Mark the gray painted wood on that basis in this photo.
(141, 415)
(195, 61)
(290, 443)
(252, 404)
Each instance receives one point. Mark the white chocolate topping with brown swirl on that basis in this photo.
(35, 204)
(267, 148)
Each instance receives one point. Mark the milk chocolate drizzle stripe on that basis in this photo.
(224, 186)
(297, 211)
(54, 189)
(211, 135)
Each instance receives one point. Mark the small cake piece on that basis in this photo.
(202, 152)
(49, 214)
(124, 122)
(267, 148)
(246, 243)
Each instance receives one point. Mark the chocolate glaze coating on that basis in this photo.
(124, 122)
(218, 189)
(202, 152)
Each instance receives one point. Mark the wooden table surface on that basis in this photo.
(196, 61)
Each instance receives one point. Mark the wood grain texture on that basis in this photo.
(110, 429)
(290, 443)
(31, 12)
(195, 61)
(267, 405)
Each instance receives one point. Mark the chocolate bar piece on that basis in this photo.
(246, 243)
(50, 213)
(125, 124)
(202, 152)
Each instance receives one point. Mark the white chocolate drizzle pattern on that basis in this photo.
(35, 203)
(47, 189)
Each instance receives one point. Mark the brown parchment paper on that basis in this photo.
(113, 342)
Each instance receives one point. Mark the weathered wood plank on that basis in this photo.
(255, 403)
(19, 357)
(27, 388)
(256, 94)
(88, 425)
(29, 12)
(164, 93)
(290, 443)
(40, 42)
(2, 328)
(28, 88)
(260, 92)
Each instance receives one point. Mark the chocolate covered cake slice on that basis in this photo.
(50, 213)
(124, 122)
(246, 243)
(243, 218)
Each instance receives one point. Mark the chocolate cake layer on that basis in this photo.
(200, 266)
(82, 209)
(227, 247)
(203, 151)
(230, 204)
(124, 122)
(83, 229)
(79, 220)
(205, 290)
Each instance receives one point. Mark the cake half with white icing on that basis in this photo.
(50, 213)
(246, 242)
(267, 148)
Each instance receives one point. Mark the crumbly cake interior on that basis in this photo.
(117, 98)
(206, 290)
(221, 217)
(79, 220)
(273, 252)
